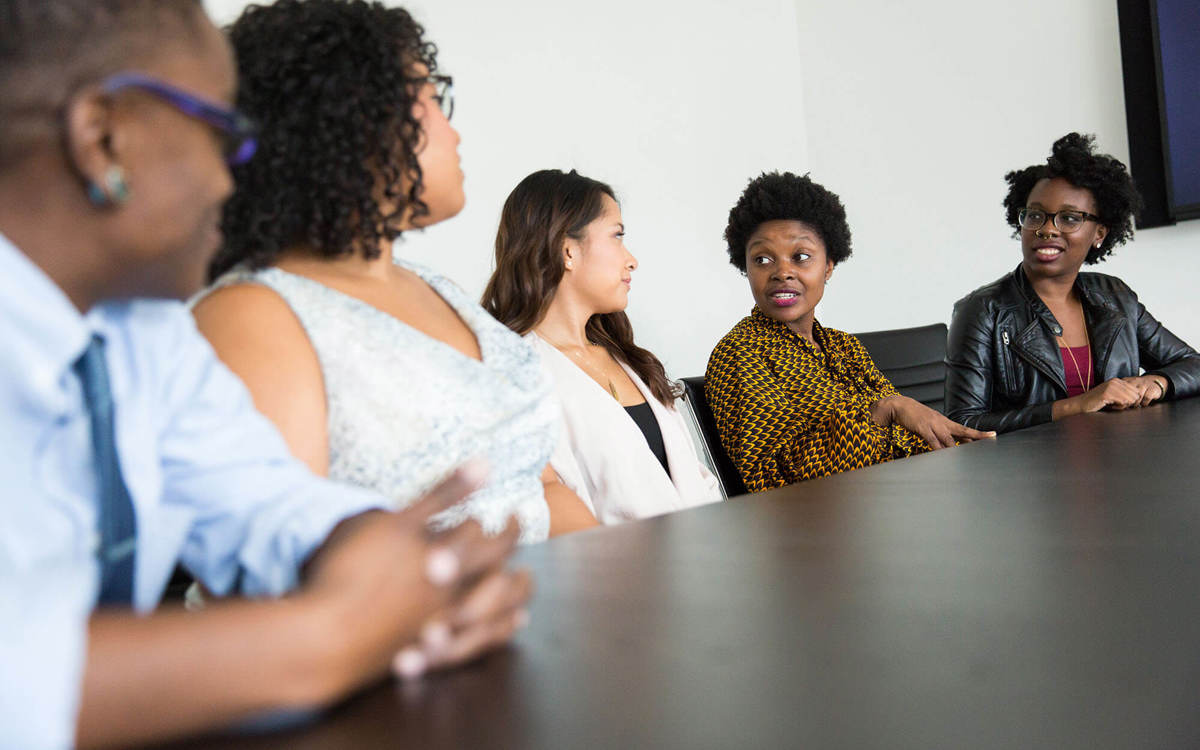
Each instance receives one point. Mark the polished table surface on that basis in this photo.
(1038, 590)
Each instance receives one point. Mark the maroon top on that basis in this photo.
(1077, 379)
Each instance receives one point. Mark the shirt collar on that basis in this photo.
(44, 331)
(767, 322)
(779, 334)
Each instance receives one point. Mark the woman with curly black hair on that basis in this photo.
(1046, 341)
(792, 399)
(377, 371)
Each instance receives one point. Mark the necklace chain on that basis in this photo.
(585, 359)
(1078, 371)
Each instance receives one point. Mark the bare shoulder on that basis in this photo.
(249, 315)
(258, 337)
(256, 334)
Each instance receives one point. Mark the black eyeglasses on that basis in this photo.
(443, 93)
(1066, 222)
(236, 130)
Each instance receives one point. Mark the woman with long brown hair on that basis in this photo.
(562, 280)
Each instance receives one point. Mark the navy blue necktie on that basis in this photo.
(117, 525)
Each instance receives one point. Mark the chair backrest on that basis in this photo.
(731, 480)
(913, 359)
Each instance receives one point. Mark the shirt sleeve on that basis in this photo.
(1163, 353)
(876, 383)
(259, 513)
(43, 636)
(772, 441)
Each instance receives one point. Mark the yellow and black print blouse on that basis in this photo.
(787, 412)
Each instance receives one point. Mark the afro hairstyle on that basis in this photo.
(785, 196)
(1074, 159)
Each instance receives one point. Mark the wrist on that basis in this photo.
(1161, 382)
(1066, 407)
(344, 529)
(883, 411)
(324, 665)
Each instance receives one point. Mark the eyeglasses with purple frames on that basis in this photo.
(236, 130)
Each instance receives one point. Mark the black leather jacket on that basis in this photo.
(1003, 366)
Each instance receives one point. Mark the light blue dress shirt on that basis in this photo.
(212, 482)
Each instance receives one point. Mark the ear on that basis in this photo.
(570, 253)
(90, 139)
(828, 269)
(1101, 233)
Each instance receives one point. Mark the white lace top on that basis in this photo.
(404, 409)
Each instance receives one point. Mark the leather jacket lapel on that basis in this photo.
(1036, 343)
(1031, 346)
(1104, 323)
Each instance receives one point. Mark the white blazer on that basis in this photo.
(604, 458)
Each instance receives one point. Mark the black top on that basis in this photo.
(643, 417)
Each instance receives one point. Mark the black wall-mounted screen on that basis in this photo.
(1177, 33)
(1160, 65)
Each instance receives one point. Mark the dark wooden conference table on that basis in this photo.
(1039, 590)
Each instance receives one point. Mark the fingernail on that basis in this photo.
(522, 619)
(409, 664)
(435, 636)
(441, 567)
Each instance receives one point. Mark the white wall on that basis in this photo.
(910, 111)
(914, 113)
(664, 100)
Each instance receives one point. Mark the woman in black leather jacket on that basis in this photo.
(1047, 341)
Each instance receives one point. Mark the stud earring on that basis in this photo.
(570, 264)
(1099, 243)
(115, 191)
(96, 195)
(118, 188)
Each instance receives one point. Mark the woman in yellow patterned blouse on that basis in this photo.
(792, 399)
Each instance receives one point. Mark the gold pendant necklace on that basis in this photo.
(586, 364)
(612, 389)
(1079, 372)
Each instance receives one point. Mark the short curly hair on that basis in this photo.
(772, 196)
(330, 84)
(1073, 158)
(51, 48)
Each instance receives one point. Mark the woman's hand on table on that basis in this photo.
(932, 427)
(1116, 394)
(1150, 387)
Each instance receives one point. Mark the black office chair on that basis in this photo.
(731, 480)
(913, 359)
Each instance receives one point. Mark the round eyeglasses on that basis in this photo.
(443, 94)
(1066, 222)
